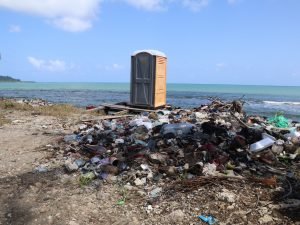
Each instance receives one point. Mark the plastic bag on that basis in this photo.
(279, 121)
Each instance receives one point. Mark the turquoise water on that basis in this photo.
(65, 86)
(209, 88)
(263, 100)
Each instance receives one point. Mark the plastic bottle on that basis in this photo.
(176, 129)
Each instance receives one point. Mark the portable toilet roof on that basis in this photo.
(151, 52)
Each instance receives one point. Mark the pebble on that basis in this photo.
(150, 176)
(71, 166)
(265, 219)
(226, 196)
(176, 216)
(73, 223)
(128, 187)
(50, 219)
(141, 193)
(41, 169)
(230, 207)
(140, 182)
(263, 211)
(155, 192)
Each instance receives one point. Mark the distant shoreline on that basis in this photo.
(8, 79)
(168, 83)
(2, 81)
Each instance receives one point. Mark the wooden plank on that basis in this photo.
(122, 112)
(160, 92)
(95, 109)
(107, 118)
(121, 107)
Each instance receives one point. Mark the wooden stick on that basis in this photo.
(107, 117)
(123, 112)
(126, 108)
(239, 120)
(95, 109)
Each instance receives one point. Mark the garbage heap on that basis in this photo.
(212, 140)
(31, 102)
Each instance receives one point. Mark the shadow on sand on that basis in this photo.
(21, 194)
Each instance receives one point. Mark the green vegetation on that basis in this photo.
(86, 179)
(8, 79)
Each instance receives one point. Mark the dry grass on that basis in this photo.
(59, 110)
(62, 110)
(9, 104)
(3, 120)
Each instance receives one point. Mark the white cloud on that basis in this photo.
(150, 5)
(158, 5)
(49, 65)
(114, 67)
(117, 66)
(220, 66)
(231, 2)
(72, 24)
(79, 15)
(195, 5)
(14, 29)
(69, 15)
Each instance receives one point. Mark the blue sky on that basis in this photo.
(206, 41)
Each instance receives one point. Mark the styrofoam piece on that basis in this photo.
(141, 121)
(266, 142)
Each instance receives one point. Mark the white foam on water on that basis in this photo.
(281, 103)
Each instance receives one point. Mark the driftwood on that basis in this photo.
(123, 112)
(107, 117)
(122, 107)
(96, 109)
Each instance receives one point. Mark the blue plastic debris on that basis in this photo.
(72, 138)
(209, 219)
(80, 162)
(41, 169)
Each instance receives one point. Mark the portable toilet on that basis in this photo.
(148, 87)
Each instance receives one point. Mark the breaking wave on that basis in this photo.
(281, 103)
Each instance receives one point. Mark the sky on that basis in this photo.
(206, 41)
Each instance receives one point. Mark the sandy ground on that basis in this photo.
(55, 197)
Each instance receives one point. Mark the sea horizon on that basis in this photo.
(111, 82)
(264, 100)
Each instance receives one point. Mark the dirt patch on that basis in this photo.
(3, 120)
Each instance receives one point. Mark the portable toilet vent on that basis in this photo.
(148, 79)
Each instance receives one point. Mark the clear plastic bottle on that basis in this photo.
(176, 129)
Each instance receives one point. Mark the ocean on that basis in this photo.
(259, 100)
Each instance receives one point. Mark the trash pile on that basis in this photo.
(32, 102)
(218, 139)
